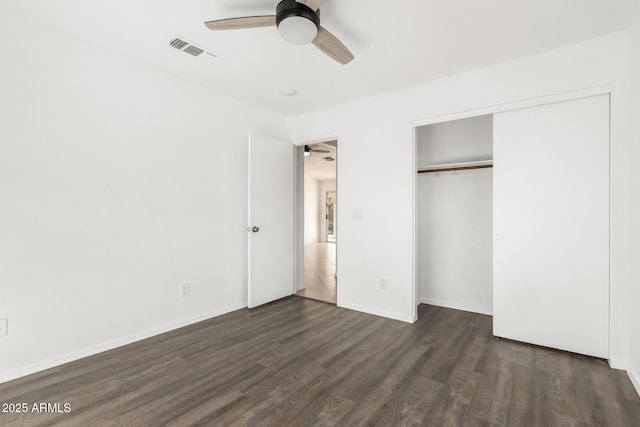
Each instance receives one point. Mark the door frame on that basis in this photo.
(493, 109)
(299, 212)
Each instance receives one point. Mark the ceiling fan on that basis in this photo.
(298, 22)
(308, 150)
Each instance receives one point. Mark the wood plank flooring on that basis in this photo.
(298, 362)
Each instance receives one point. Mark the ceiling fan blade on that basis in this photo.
(319, 151)
(329, 44)
(311, 4)
(241, 23)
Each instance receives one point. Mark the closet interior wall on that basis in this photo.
(454, 245)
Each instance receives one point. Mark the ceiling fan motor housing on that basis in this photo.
(292, 9)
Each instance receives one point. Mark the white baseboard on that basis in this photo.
(618, 364)
(635, 378)
(457, 306)
(110, 345)
(395, 316)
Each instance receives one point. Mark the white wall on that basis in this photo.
(455, 141)
(634, 300)
(454, 246)
(329, 185)
(379, 244)
(311, 210)
(117, 184)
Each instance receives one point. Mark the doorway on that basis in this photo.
(317, 278)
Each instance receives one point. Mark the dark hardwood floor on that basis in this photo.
(300, 362)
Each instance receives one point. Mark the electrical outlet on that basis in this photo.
(4, 323)
(185, 289)
(383, 284)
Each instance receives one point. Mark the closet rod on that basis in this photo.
(455, 168)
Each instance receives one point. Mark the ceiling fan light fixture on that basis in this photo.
(297, 23)
(298, 30)
(307, 151)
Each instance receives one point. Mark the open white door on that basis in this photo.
(270, 227)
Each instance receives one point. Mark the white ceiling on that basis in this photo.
(316, 167)
(396, 43)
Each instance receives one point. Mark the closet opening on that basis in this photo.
(454, 214)
(512, 220)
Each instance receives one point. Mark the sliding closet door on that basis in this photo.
(551, 225)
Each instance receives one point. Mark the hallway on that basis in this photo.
(319, 272)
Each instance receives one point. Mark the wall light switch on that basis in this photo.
(3, 327)
(357, 213)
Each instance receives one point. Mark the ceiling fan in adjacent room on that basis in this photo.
(308, 150)
(298, 21)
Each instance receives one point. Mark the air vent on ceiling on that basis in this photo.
(195, 51)
(329, 159)
(178, 44)
(188, 47)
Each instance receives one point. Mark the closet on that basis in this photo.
(454, 211)
(540, 262)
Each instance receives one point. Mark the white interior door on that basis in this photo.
(551, 225)
(270, 227)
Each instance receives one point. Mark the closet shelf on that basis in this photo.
(447, 167)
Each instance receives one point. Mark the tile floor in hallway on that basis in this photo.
(319, 272)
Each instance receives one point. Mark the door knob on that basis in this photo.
(255, 229)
